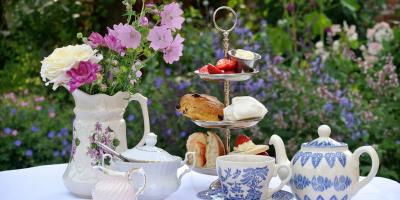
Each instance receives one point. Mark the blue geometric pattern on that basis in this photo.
(316, 143)
(320, 183)
(317, 157)
(319, 197)
(234, 185)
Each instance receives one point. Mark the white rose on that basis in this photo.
(56, 65)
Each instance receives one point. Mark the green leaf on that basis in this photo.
(280, 40)
(352, 5)
(318, 21)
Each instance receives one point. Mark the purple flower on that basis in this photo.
(128, 36)
(138, 74)
(17, 143)
(183, 134)
(167, 71)
(64, 142)
(13, 111)
(143, 21)
(29, 153)
(174, 51)
(56, 153)
(7, 131)
(168, 132)
(345, 102)
(50, 134)
(131, 117)
(34, 129)
(160, 37)
(290, 7)
(64, 131)
(328, 107)
(348, 118)
(85, 73)
(277, 60)
(157, 82)
(171, 16)
(95, 40)
(149, 102)
(114, 44)
(177, 113)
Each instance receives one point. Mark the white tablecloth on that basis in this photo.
(46, 183)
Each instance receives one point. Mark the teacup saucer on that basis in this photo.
(217, 195)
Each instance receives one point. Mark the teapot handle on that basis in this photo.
(190, 167)
(141, 172)
(355, 159)
(283, 182)
(143, 105)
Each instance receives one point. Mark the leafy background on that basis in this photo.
(300, 87)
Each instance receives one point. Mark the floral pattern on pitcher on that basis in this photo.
(106, 137)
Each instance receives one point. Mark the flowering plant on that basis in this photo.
(112, 62)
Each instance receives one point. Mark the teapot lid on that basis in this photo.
(149, 152)
(324, 141)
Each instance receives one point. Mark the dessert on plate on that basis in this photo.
(207, 148)
(244, 107)
(201, 107)
(244, 145)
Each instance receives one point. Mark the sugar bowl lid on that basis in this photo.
(149, 152)
(324, 141)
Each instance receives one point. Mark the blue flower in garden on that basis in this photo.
(168, 132)
(317, 65)
(7, 131)
(34, 129)
(328, 107)
(183, 134)
(51, 134)
(13, 111)
(56, 153)
(63, 153)
(131, 117)
(64, 132)
(29, 153)
(348, 118)
(167, 71)
(177, 113)
(18, 143)
(157, 82)
(149, 102)
(64, 142)
(345, 102)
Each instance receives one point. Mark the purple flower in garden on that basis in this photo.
(158, 82)
(143, 21)
(167, 71)
(328, 107)
(291, 7)
(183, 85)
(174, 51)
(345, 102)
(177, 113)
(17, 143)
(160, 37)
(168, 132)
(348, 118)
(85, 73)
(114, 44)
(128, 36)
(149, 102)
(7, 131)
(277, 60)
(183, 134)
(34, 129)
(39, 99)
(317, 65)
(138, 74)
(29, 153)
(13, 111)
(64, 142)
(95, 40)
(171, 16)
(50, 134)
(56, 153)
(131, 117)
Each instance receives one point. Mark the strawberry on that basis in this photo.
(263, 153)
(241, 139)
(204, 69)
(229, 72)
(227, 64)
(213, 70)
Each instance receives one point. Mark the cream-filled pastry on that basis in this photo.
(244, 145)
(244, 107)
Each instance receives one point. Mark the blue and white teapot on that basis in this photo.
(324, 169)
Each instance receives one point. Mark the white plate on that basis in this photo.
(228, 124)
(226, 77)
(206, 171)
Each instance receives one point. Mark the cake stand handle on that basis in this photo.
(225, 32)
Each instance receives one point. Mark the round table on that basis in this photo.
(46, 183)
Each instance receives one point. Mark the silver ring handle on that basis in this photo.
(215, 22)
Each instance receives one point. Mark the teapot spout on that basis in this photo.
(280, 154)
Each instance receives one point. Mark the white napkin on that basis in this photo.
(244, 107)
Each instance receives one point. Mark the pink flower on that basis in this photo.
(174, 50)
(171, 16)
(143, 21)
(160, 37)
(95, 40)
(127, 35)
(374, 48)
(85, 73)
(114, 44)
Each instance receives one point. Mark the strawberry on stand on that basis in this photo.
(223, 66)
(244, 145)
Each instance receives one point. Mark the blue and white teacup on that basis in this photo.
(247, 177)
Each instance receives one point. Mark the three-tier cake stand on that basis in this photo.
(224, 125)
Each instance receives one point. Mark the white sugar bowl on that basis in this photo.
(160, 168)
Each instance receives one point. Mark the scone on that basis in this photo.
(214, 148)
(197, 143)
(201, 107)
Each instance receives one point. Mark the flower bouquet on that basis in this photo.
(102, 74)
